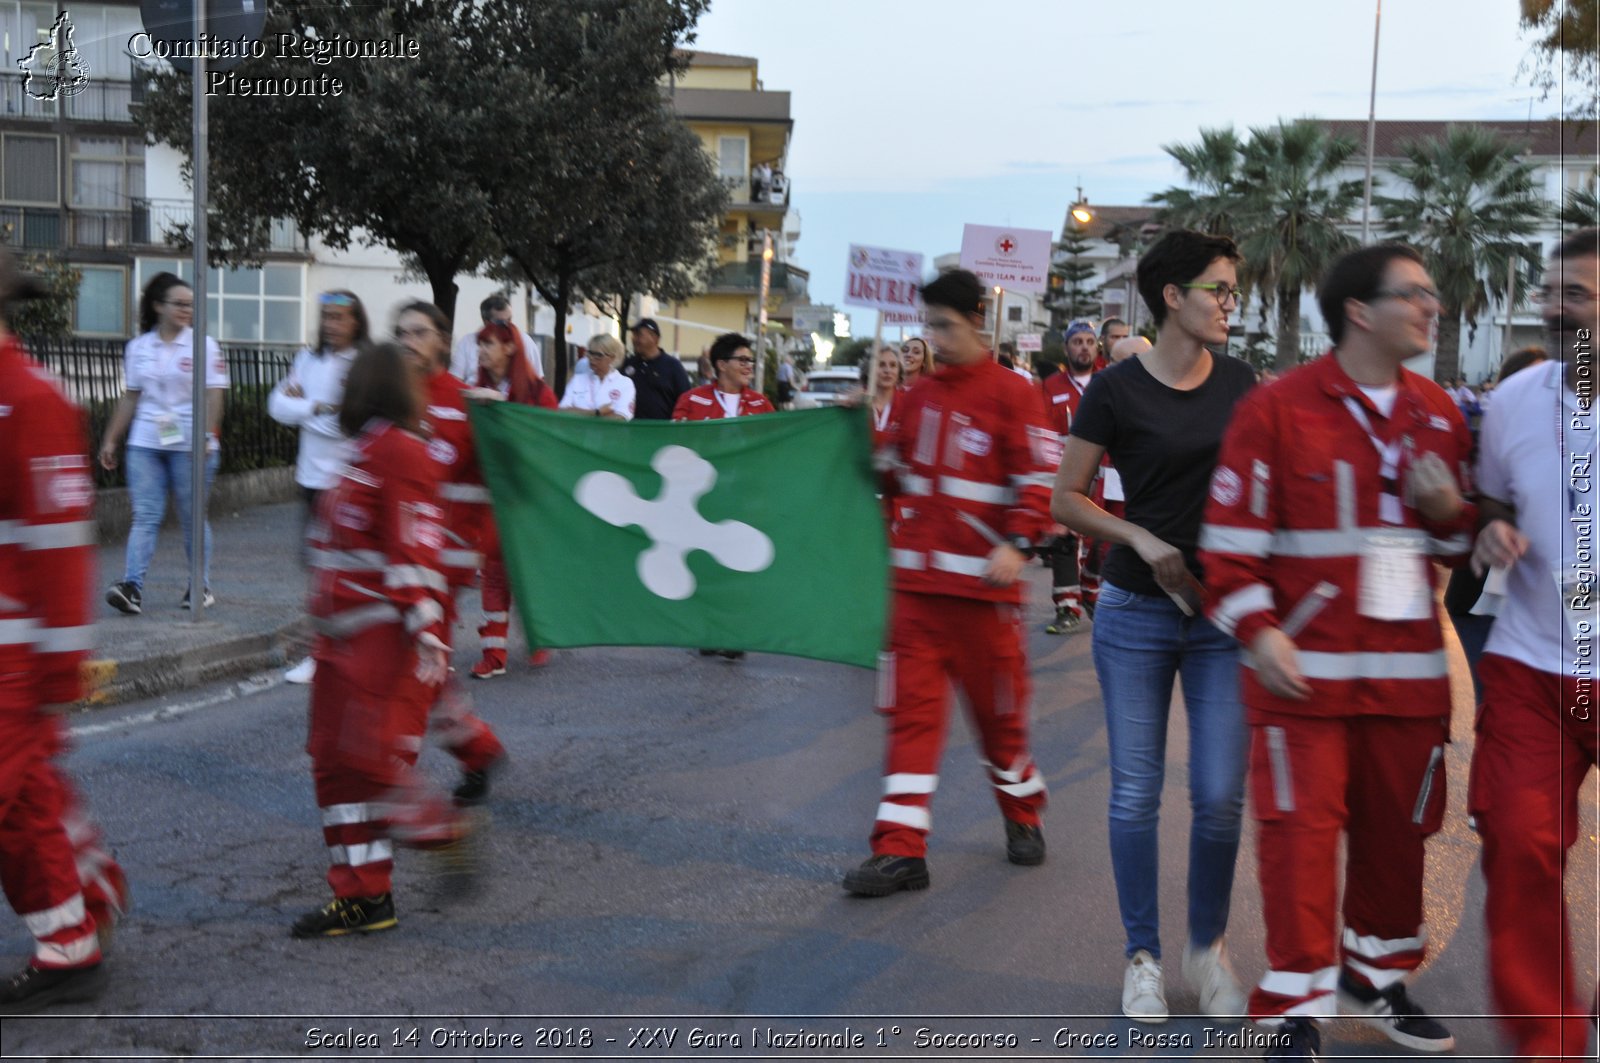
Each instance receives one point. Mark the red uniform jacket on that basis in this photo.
(376, 541)
(1062, 396)
(971, 464)
(462, 496)
(1295, 498)
(46, 537)
(702, 404)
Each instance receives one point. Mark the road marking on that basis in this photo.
(242, 689)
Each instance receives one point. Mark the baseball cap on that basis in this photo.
(15, 285)
(647, 322)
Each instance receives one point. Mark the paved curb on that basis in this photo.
(111, 682)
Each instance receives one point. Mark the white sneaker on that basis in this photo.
(302, 672)
(1209, 973)
(1143, 998)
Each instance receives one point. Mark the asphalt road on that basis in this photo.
(665, 857)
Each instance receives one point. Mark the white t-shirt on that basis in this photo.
(1382, 398)
(324, 450)
(464, 359)
(162, 372)
(591, 392)
(1527, 450)
(730, 403)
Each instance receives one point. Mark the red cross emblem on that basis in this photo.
(1005, 245)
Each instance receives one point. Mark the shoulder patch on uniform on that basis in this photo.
(1226, 486)
(701, 399)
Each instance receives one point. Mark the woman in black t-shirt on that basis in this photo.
(1161, 416)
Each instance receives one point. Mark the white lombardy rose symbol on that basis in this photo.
(673, 522)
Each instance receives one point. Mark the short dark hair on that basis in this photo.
(726, 346)
(955, 289)
(1105, 326)
(1581, 243)
(435, 316)
(1178, 257)
(156, 291)
(1519, 360)
(497, 301)
(378, 385)
(1357, 275)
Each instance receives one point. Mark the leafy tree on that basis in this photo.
(1471, 208)
(51, 316)
(1073, 299)
(1566, 53)
(388, 161)
(1292, 208)
(850, 352)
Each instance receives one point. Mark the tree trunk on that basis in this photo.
(1288, 354)
(1447, 347)
(442, 279)
(563, 300)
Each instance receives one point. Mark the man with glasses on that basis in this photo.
(1537, 735)
(1335, 490)
(658, 377)
(464, 358)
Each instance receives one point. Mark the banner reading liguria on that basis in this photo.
(755, 533)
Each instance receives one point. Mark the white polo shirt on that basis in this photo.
(162, 372)
(464, 359)
(591, 393)
(1532, 450)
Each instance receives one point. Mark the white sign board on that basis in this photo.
(812, 318)
(1030, 341)
(885, 280)
(1017, 260)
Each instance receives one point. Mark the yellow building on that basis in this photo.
(745, 129)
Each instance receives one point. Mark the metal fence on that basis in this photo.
(91, 372)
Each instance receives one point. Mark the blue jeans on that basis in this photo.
(1141, 644)
(151, 474)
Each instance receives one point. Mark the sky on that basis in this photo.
(914, 117)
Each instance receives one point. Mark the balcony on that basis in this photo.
(98, 101)
(744, 278)
(146, 224)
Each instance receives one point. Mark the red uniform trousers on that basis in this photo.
(368, 714)
(936, 640)
(496, 594)
(1531, 758)
(53, 871)
(463, 734)
(1379, 780)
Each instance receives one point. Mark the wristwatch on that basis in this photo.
(1021, 543)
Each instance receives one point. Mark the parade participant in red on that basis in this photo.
(972, 461)
(731, 395)
(377, 604)
(1538, 738)
(503, 377)
(1063, 393)
(66, 889)
(424, 330)
(1335, 487)
(917, 361)
(883, 387)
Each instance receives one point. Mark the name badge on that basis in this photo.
(1394, 580)
(168, 434)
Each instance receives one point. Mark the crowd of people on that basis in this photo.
(1270, 547)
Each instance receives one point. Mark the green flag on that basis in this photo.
(751, 533)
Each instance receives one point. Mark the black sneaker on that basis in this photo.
(205, 603)
(1024, 844)
(1296, 1038)
(474, 788)
(347, 915)
(34, 987)
(883, 874)
(1393, 1012)
(731, 655)
(1066, 623)
(124, 597)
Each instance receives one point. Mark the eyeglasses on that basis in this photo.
(1415, 294)
(1570, 293)
(420, 330)
(336, 299)
(177, 305)
(743, 360)
(1219, 291)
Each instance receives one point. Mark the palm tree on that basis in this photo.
(1582, 208)
(1211, 170)
(1292, 215)
(1471, 208)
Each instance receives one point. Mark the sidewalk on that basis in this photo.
(257, 623)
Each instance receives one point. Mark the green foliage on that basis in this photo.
(1581, 209)
(1074, 298)
(1471, 208)
(850, 352)
(51, 316)
(1566, 53)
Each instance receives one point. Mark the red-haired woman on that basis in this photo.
(503, 375)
